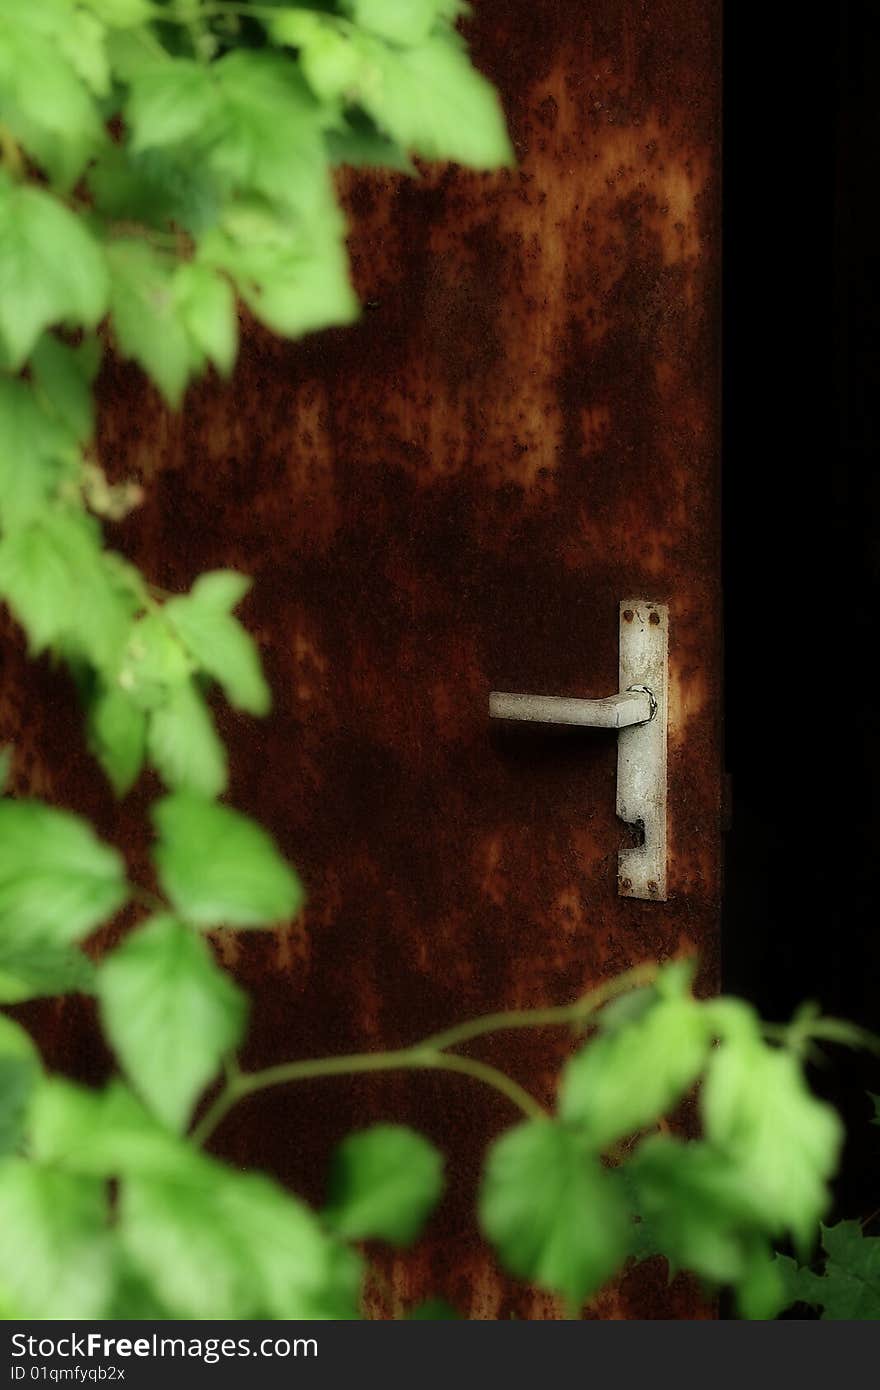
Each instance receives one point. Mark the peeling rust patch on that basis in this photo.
(450, 497)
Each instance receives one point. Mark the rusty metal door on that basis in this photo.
(451, 497)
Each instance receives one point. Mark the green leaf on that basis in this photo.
(57, 880)
(216, 1244)
(876, 1102)
(405, 22)
(757, 1108)
(383, 1183)
(218, 867)
(218, 643)
(117, 737)
(170, 1013)
(360, 145)
(849, 1289)
(121, 14)
(761, 1291)
(333, 56)
(626, 1079)
(293, 275)
(430, 100)
(51, 269)
(170, 102)
(65, 589)
(147, 321)
(38, 970)
(207, 307)
(19, 1073)
(54, 1250)
(154, 664)
(554, 1215)
(103, 1134)
(220, 590)
(35, 451)
(36, 581)
(270, 136)
(46, 50)
(83, 44)
(699, 1210)
(63, 374)
(427, 98)
(159, 188)
(183, 743)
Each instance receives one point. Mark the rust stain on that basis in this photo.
(453, 496)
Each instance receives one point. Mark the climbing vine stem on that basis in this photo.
(431, 1054)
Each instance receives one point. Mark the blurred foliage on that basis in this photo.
(161, 163)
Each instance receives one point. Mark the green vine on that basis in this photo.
(165, 167)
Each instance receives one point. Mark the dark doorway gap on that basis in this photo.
(802, 533)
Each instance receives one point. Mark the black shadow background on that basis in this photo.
(802, 532)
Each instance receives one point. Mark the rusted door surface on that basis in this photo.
(452, 497)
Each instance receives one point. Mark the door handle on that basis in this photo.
(639, 714)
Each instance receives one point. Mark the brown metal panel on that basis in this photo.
(450, 497)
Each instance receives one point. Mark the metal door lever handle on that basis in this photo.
(639, 712)
(636, 705)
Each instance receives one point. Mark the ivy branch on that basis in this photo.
(430, 1054)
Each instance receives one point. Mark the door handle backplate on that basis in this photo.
(638, 711)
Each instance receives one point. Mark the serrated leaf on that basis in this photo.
(183, 744)
(432, 101)
(761, 1289)
(215, 1244)
(63, 374)
(405, 22)
(147, 322)
(758, 1110)
(45, 50)
(159, 188)
(359, 145)
(121, 14)
(170, 1013)
(65, 589)
(103, 1134)
(117, 737)
(698, 1209)
(624, 1080)
(170, 102)
(154, 663)
(332, 55)
(292, 275)
(427, 98)
(552, 1213)
(383, 1183)
(83, 44)
(270, 136)
(35, 452)
(35, 580)
(219, 868)
(219, 644)
(19, 1073)
(54, 1250)
(51, 269)
(849, 1288)
(38, 970)
(207, 306)
(57, 880)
